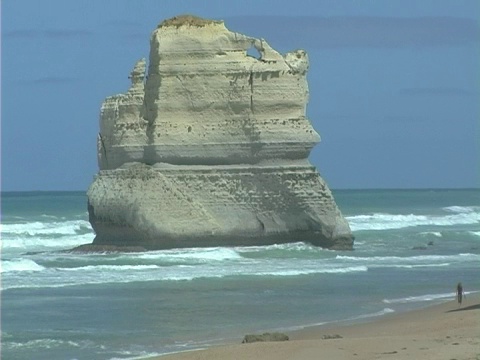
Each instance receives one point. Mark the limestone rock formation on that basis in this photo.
(211, 148)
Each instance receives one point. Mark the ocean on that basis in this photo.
(411, 249)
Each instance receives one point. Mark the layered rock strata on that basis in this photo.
(210, 149)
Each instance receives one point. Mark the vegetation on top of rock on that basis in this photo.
(189, 20)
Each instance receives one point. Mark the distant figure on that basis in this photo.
(460, 293)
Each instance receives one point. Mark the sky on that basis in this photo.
(394, 84)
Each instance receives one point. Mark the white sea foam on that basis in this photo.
(20, 265)
(410, 262)
(219, 254)
(375, 314)
(136, 355)
(417, 266)
(423, 259)
(297, 246)
(39, 344)
(381, 221)
(38, 228)
(420, 298)
(337, 270)
(46, 216)
(462, 209)
(38, 235)
(111, 267)
(103, 274)
(199, 254)
(434, 233)
(475, 233)
(32, 244)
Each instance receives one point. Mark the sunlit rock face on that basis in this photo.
(211, 147)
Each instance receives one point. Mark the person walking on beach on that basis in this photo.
(460, 293)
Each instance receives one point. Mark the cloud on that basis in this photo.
(66, 34)
(136, 37)
(338, 117)
(438, 91)
(21, 34)
(128, 31)
(123, 24)
(52, 80)
(359, 31)
(404, 118)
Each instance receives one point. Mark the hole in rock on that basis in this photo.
(253, 52)
(189, 129)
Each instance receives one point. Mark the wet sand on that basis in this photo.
(441, 332)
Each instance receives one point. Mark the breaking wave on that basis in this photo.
(20, 265)
(411, 261)
(103, 274)
(199, 254)
(30, 236)
(456, 215)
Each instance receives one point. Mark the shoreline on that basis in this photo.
(442, 331)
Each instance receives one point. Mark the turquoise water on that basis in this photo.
(411, 248)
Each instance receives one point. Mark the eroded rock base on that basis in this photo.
(166, 206)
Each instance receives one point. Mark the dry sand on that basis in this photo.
(439, 332)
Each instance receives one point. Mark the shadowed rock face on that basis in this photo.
(211, 148)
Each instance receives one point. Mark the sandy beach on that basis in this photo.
(442, 332)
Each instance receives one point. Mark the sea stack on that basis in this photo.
(209, 147)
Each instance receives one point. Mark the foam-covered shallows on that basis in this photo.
(211, 147)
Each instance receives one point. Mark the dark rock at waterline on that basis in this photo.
(29, 253)
(333, 336)
(264, 337)
(92, 248)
